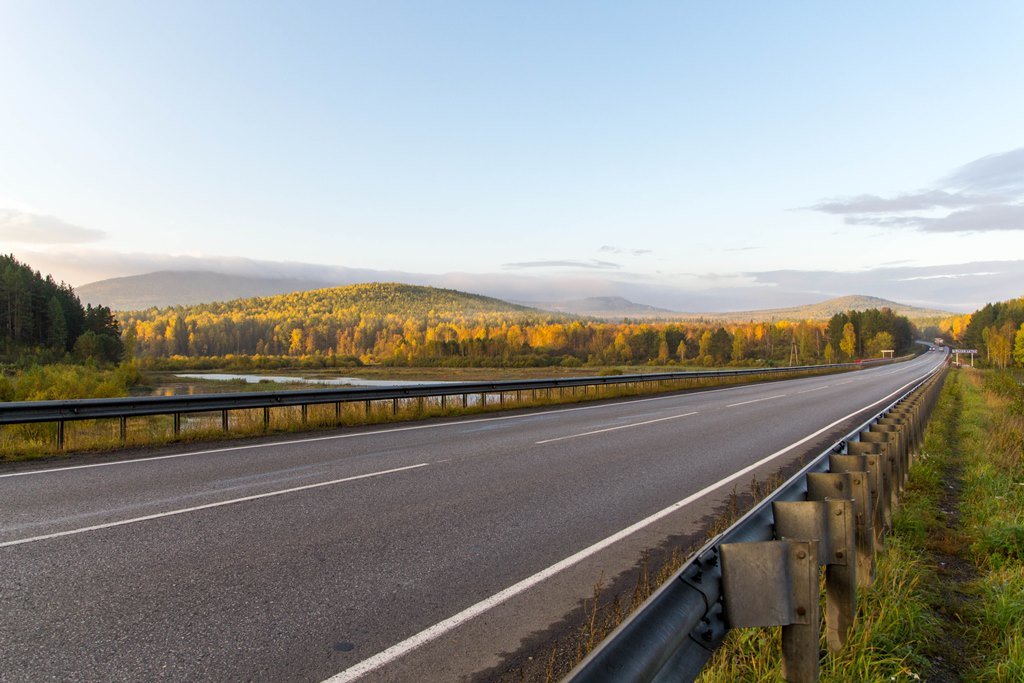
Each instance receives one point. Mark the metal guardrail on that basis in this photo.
(60, 412)
(674, 633)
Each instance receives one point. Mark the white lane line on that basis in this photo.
(841, 383)
(612, 429)
(440, 628)
(352, 435)
(756, 400)
(207, 506)
(807, 391)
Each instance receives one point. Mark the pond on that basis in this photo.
(282, 379)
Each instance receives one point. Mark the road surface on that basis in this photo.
(420, 551)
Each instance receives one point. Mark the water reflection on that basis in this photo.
(280, 379)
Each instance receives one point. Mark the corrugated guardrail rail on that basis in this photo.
(764, 569)
(60, 412)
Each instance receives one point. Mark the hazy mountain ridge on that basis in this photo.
(616, 308)
(191, 288)
(823, 310)
(601, 307)
(186, 288)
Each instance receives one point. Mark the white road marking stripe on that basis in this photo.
(756, 400)
(612, 429)
(207, 506)
(440, 628)
(846, 382)
(352, 435)
(807, 391)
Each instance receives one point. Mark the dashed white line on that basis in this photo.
(207, 506)
(612, 429)
(756, 400)
(846, 382)
(808, 391)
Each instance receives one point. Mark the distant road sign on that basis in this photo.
(965, 350)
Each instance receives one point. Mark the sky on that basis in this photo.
(695, 156)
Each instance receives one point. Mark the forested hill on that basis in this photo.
(385, 318)
(375, 299)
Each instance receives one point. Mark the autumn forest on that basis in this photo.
(394, 324)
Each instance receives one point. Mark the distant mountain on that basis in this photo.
(604, 307)
(821, 311)
(615, 307)
(186, 288)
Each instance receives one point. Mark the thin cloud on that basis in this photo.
(31, 228)
(592, 264)
(992, 218)
(609, 249)
(993, 173)
(920, 201)
(985, 195)
(946, 276)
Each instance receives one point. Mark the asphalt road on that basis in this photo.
(298, 559)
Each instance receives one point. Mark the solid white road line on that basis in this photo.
(612, 429)
(756, 400)
(207, 506)
(440, 628)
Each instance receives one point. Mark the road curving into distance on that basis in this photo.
(424, 551)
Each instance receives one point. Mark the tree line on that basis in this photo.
(995, 330)
(38, 315)
(337, 324)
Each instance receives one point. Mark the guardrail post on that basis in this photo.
(266, 418)
(860, 488)
(889, 436)
(885, 489)
(898, 419)
(873, 466)
(894, 421)
(60, 435)
(337, 412)
(123, 429)
(775, 583)
(444, 401)
(465, 400)
(829, 518)
(305, 413)
(224, 420)
(394, 406)
(177, 424)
